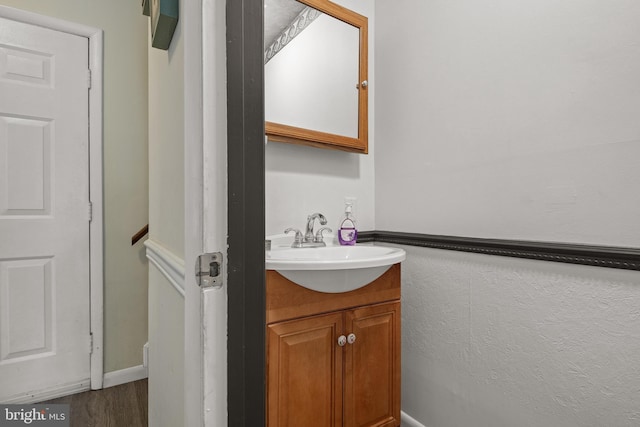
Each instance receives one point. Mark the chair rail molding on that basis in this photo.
(625, 258)
(168, 263)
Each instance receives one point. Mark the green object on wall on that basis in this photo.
(146, 10)
(164, 18)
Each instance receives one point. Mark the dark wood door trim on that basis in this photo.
(246, 274)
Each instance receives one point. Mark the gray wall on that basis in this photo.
(125, 165)
(166, 228)
(509, 120)
(514, 120)
(502, 342)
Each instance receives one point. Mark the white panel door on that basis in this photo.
(44, 211)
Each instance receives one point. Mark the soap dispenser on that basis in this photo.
(347, 234)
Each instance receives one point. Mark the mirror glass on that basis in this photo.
(312, 72)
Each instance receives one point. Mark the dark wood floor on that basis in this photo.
(120, 406)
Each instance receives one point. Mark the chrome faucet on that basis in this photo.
(309, 240)
(308, 234)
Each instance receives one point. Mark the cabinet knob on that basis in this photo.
(351, 338)
(342, 340)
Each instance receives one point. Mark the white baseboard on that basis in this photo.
(145, 356)
(123, 376)
(407, 421)
(48, 394)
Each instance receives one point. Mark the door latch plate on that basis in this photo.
(209, 270)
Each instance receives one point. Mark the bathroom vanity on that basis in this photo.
(333, 359)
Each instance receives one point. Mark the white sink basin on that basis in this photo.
(332, 269)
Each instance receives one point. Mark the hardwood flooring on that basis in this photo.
(120, 406)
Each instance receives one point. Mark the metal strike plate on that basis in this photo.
(209, 270)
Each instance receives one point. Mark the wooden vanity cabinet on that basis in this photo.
(312, 380)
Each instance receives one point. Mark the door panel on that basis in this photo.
(44, 210)
(372, 366)
(305, 373)
(27, 308)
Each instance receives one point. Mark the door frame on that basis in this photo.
(246, 162)
(224, 211)
(96, 236)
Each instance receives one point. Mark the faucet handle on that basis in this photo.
(319, 237)
(297, 240)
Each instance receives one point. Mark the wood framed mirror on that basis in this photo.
(316, 87)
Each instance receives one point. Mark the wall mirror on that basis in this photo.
(316, 74)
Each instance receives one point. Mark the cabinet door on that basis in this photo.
(304, 372)
(372, 367)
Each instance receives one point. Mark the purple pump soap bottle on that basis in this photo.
(348, 234)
